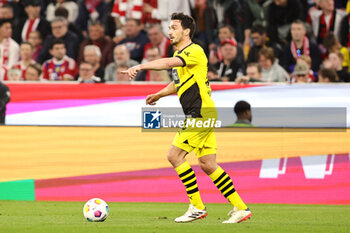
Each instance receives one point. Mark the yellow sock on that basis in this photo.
(224, 183)
(188, 178)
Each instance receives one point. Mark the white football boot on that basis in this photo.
(238, 216)
(192, 214)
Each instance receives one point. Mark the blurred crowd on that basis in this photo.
(93, 41)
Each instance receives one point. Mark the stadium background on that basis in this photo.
(62, 144)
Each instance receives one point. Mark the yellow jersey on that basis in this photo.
(192, 83)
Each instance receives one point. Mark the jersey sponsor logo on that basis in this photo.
(152, 119)
(187, 53)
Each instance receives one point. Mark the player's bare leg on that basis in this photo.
(224, 183)
(196, 210)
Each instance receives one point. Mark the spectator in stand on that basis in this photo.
(60, 67)
(301, 73)
(153, 75)
(254, 74)
(332, 44)
(121, 56)
(86, 73)
(225, 32)
(255, 13)
(157, 39)
(123, 10)
(26, 58)
(36, 41)
(120, 76)
(33, 22)
(14, 74)
(300, 45)
(281, 14)
(313, 7)
(206, 19)
(260, 40)
(9, 49)
(230, 12)
(60, 30)
(71, 6)
(135, 40)
(161, 9)
(229, 68)
(336, 60)
(91, 10)
(63, 12)
(17, 7)
(326, 75)
(307, 60)
(7, 12)
(92, 55)
(326, 20)
(97, 37)
(33, 72)
(147, 18)
(271, 70)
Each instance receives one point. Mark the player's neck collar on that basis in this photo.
(185, 47)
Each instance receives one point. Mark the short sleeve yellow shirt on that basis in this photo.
(191, 81)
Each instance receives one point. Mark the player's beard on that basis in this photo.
(176, 41)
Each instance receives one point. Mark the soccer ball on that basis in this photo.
(95, 210)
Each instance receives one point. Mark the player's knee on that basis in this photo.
(171, 157)
(208, 166)
(176, 156)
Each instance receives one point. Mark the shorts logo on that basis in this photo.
(152, 119)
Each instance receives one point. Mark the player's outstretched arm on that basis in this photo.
(160, 64)
(168, 90)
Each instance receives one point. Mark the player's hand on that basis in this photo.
(132, 71)
(152, 99)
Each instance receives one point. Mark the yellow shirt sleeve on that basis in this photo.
(189, 55)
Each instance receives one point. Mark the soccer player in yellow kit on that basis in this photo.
(190, 66)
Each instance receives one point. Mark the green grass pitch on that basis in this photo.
(67, 217)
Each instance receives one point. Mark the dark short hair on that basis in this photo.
(187, 22)
(95, 23)
(254, 64)
(26, 42)
(328, 73)
(137, 21)
(35, 67)
(61, 11)
(241, 107)
(3, 21)
(232, 30)
(56, 41)
(330, 40)
(8, 6)
(299, 21)
(260, 29)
